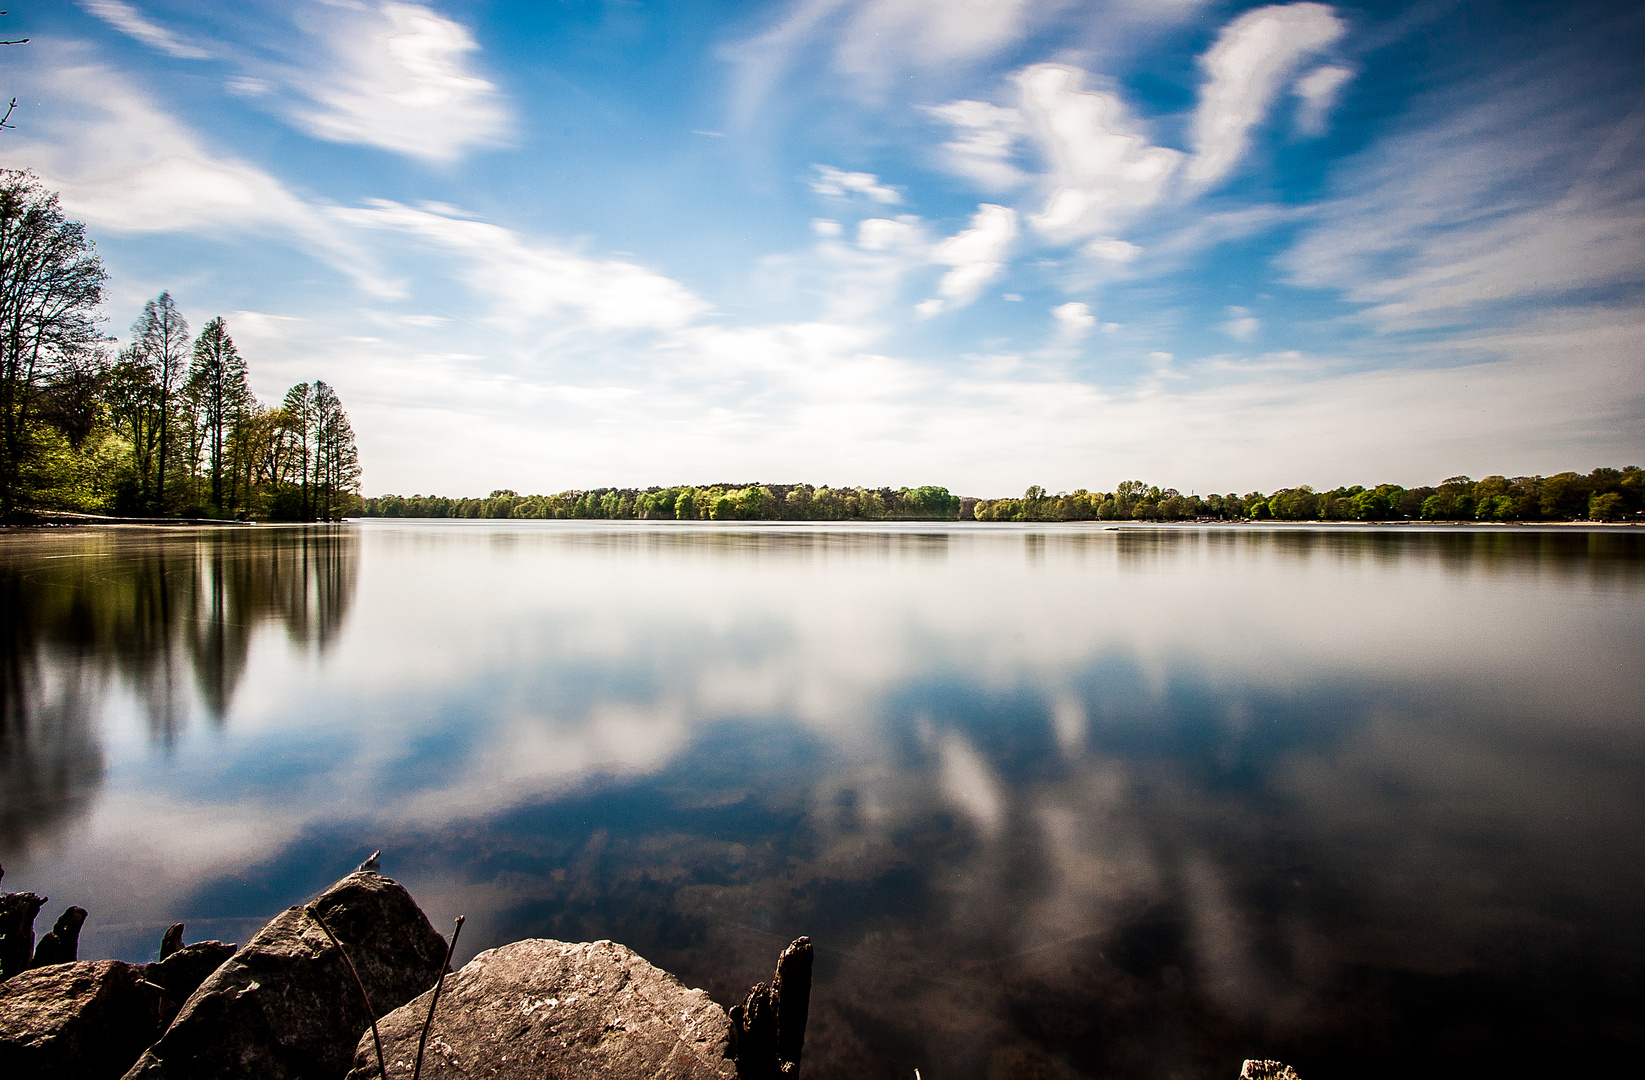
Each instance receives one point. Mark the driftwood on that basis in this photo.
(61, 944)
(768, 1028)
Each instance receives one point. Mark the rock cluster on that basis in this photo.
(298, 1002)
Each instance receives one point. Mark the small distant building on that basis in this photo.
(968, 508)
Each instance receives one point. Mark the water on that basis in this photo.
(1053, 801)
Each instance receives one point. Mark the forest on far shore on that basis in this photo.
(1605, 494)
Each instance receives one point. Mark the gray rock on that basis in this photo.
(17, 912)
(182, 972)
(86, 1020)
(1262, 1069)
(541, 1008)
(61, 944)
(285, 1005)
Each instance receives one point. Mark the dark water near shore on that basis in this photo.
(1052, 801)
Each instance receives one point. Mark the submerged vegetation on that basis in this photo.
(1602, 495)
(168, 425)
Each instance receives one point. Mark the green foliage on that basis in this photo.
(1606, 494)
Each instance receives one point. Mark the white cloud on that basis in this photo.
(841, 184)
(977, 256)
(885, 234)
(1241, 324)
(1101, 169)
(1113, 250)
(871, 40)
(1485, 204)
(128, 20)
(884, 35)
(1245, 70)
(1074, 319)
(1318, 90)
(397, 78)
(984, 143)
(120, 163)
(524, 282)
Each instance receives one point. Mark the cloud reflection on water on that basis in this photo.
(1186, 787)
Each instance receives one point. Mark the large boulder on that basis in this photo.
(183, 970)
(541, 1008)
(285, 1005)
(86, 1020)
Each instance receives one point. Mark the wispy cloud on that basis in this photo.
(168, 179)
(128, 20)
(977, 255)
(881, 36)
(839, 183)
(1074, 320)
(871, 40)
(398, 78)
(1489, 203)
(1318, 90)
(984, 143)
(1241, 324)
(1099, 169)
(525, 283)
(1245, 70)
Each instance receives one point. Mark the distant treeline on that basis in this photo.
(1602, 495)
(712, 502)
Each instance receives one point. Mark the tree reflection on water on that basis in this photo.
(167, 614)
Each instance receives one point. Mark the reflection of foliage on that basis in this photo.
(85, 608)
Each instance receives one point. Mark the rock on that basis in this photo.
(1261, 1069)
(61, 944)
(285, 1005)
(17, 912)
(181, 973)
(768, 1028)
(86, 1020)
(541, 1008)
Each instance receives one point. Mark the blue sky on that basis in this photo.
(980, 244)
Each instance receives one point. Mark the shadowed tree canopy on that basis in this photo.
(51, 282)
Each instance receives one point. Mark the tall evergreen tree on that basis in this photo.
(298, 408)
(217, 381)
(162, 340)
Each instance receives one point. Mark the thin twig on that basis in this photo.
(417, 1069)
(372, 1013)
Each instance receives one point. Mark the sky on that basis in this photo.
(976, 243)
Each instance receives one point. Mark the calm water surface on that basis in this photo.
(1052, 801)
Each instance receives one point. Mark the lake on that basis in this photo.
(1052, 801)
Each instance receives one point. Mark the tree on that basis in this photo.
(298, 410)
(133, 401)
(337, 461)
(161, 337)
(217, 381)
(51, 282)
